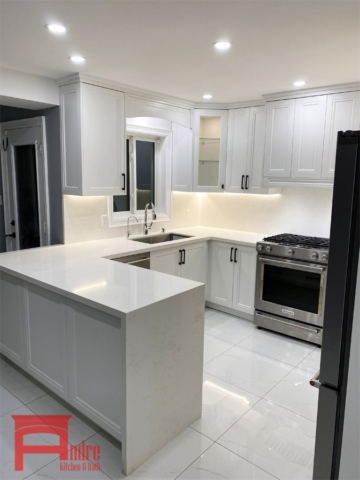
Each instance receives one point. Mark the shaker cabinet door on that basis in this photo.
(279, 138)
(182, 158)
(244, 279)
(166, 261)
(309, 132)
(195, 262)
(221, 273)
(237, 150)
(343, 113)
(255, 162)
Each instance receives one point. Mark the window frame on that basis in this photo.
(163, 160)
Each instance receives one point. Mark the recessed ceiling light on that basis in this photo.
(56, 28)
(222, 45)
(299, 83)
(207, 96)
(77, 58)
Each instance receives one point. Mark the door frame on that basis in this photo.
(14, 125)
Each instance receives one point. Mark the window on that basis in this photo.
(141, 183)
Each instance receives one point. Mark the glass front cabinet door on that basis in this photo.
(210, 134)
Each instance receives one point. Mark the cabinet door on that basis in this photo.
(255, 161)
(11, 319)
(46, 338)
(194, 266)
(221, 273)
(279, 138)
(309, 132)
(210, 139)
(96, 353)
(244, 279)
(343, 113)
(182, 158)
(237, 150)
(70, 128)
(166, 261)
(103, 135)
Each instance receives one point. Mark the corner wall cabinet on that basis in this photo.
(245, 150)
(301, 136)
(92, 140)
(210, 140)
(232, 276)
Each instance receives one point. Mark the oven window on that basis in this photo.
(292, 288)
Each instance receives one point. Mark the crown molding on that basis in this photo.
(138, 92)
(311, 92)
(229, 106)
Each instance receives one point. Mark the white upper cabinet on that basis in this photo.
(309, 130)
(343, 113)
(255, 156)
(182, 158)
(237, 150)
(210, 139)
(92, 140)
(279, 138)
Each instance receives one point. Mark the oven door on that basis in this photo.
(291, 289)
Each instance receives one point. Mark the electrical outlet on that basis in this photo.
(104, 220)
(188, 213)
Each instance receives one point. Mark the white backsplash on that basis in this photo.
(305, 211)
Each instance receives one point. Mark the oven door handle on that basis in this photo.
(292, 265)
(313, 330)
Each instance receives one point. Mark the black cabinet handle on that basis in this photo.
(235, 259)
(247, 183)
(13, 235)
(180, 262)
(242, 182)
(124, 185)
(184, 258)
(12, 223)
(231, 254)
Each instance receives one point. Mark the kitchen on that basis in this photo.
(193, 233)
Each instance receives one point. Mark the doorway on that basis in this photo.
(25, 184)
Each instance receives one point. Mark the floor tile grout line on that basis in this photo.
(288, 409)
(267, 356)
(260, 468)
(195, 458)
(6, 388)
(233, 344)
(218, 355)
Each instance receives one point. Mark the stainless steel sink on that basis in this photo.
(163, 237)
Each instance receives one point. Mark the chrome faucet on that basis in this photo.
(146, 226)
(128, 225)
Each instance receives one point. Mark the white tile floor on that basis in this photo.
(258, 420)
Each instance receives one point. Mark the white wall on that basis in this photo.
(350, 459)
(19, 89)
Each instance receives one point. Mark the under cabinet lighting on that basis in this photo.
(207, 96)
(77, 58)
(56, 28)
(299, 83)
(222, 46)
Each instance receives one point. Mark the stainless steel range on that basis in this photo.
(290, 285)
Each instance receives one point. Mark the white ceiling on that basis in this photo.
(166, 45)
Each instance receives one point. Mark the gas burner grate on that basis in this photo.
(299, 240)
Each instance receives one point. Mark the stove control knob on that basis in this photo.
(314, 255)
(260, 247)
(324, 256)
(268, 249)
(291, 252)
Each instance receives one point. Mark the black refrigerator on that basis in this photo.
(340, 316)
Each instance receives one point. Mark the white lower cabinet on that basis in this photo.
(96, 350)
(11, 319)
(45, 324)
(222, 272)
(185, 261)
(232, 276)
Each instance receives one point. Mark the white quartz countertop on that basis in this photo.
(83, 271)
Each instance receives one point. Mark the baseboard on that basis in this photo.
(230, 311)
